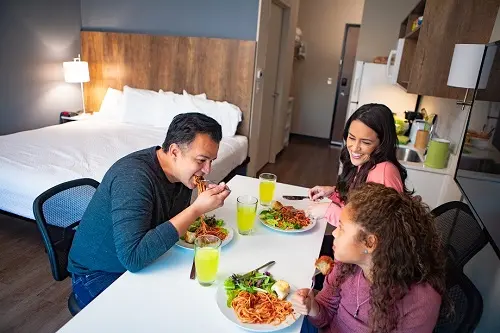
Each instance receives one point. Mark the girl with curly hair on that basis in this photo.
(389, 272)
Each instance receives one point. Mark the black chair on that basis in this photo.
(58, 212)
(462, 235)
(465, 301)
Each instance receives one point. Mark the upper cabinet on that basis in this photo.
(428, 47)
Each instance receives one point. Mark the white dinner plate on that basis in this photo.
(221, 299)
(189, 246)
(290, 231)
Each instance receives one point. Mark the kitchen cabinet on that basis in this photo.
(434, 188)
(426, 184)
(428, 49)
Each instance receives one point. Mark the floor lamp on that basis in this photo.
(77, 71)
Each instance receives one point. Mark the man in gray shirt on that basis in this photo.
(142, 206)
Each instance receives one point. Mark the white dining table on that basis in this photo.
(162, 297)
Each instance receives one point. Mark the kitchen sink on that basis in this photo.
(408, 155)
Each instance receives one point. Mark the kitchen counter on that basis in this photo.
(489, 153)
(420, 166)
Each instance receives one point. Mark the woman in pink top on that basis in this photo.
(369, 155)
(389, 273)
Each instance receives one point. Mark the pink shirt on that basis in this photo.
(383, 173)
(418, 310)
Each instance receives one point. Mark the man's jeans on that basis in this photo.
(86, 287)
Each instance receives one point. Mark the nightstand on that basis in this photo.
(65, 119)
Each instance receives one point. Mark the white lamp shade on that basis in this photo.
(465, 65)
(76, 71)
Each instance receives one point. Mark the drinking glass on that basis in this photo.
(206, 257)
(246, 211)
(266, 188)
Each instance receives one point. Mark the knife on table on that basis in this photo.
(192, 275)
(295, 197)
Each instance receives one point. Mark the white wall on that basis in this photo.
(323, 25)
(380, 26)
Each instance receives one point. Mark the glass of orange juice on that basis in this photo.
(206, 258)
(266, 188)
(246, 211)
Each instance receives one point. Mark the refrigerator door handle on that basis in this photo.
(389, 60)
(355, 91)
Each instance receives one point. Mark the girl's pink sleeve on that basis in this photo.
(387, 174)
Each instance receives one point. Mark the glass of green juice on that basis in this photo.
(246, 212)
(266, 188)
(206, 258)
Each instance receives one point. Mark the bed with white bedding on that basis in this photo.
(34, 161)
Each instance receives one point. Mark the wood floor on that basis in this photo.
(306, 162)
(31, 301)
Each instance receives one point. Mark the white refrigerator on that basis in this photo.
(372, 84)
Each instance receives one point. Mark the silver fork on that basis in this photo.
(316, 272)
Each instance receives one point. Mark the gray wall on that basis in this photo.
(380, 28)
(36, 36)
(200, 18)
(323, 24)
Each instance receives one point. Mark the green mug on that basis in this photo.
(437, 154)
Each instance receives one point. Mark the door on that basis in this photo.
(346, 72)
(269, 98)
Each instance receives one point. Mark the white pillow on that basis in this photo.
(184, 92)
(112, 106)
(170, 108)
(141, 106)
(226, 114)
(202, 96)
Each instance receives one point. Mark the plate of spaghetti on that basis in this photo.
(286, 219)
(205, 225)
(211, 226)
(256, 302)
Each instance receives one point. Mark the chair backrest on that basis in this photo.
(58, 212)
(462, 235)
(466, 304)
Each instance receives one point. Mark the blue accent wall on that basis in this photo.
(36, 37)
(236, 19)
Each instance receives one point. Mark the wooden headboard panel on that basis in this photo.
(221, 68)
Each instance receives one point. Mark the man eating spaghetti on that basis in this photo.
(142, 205)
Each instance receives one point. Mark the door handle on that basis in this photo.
(276, 94)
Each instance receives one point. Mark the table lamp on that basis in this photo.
(464, 70)
(77, 71)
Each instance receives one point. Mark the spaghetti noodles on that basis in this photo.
(261, 308)
(205, 229)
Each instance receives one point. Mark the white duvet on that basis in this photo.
(34, 161)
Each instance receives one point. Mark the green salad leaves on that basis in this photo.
(252, 282)
(275, 219)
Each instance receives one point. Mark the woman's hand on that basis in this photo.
(317, 210)
(304, 303)
(319, 192)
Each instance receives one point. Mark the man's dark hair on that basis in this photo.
(186, 126)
